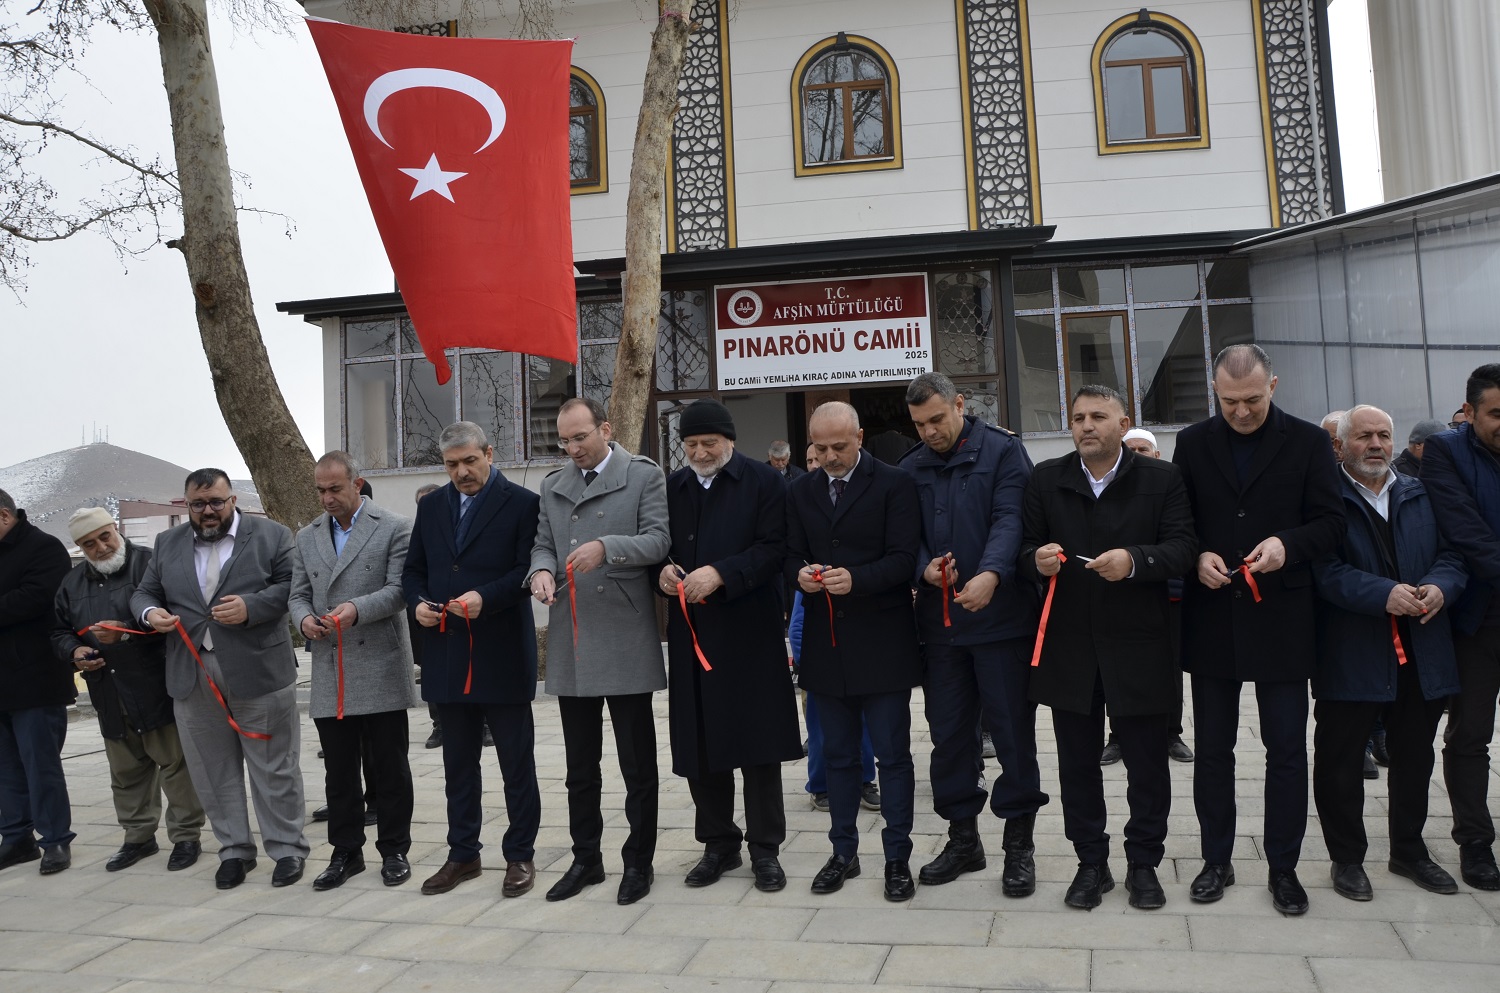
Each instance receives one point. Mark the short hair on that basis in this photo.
(202, 479)
(462, 434)
(7, 502)
(343, 459)
(780, 449)
(425, 489)
(1423, 430)
(1101, 392)
(1459, 411)
(1332, 417)
(1346, 419)
(835, 408)
(929, 385)
(1486, 377)
(595, 408)
(1239, 361)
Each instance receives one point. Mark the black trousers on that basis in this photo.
(765, 814)
(1338, 762)
(887, 717)
(635, 743)
(514, 732)
(963, 686)
(1148, 790)
(1283, 731)
(1471, 724)
(376, 742)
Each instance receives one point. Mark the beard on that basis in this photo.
(712, 469)
(210, 534)
(1369, 471)
(111, 565)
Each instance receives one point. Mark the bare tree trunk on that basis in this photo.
(643, 218)
(249, 397)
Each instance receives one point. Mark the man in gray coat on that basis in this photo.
(603, 522)
(348, 602)
(223, 578)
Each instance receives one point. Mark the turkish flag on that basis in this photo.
(462, 144)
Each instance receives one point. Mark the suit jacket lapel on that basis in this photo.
(364, 526)
(242, 537)
(1219, 449)
(1270, 444)
(859, 481)
(189, 565)
(493, 501)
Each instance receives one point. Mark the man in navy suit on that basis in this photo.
(853, 530)
(470, 550)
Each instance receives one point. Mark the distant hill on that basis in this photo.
(51, 487)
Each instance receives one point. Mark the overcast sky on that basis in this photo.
(93, 342)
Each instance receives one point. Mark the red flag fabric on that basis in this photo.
(462, 145)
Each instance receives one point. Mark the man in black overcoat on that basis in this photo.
(1266, 504)
(1112, 527)
(853, 530)
(728, 523)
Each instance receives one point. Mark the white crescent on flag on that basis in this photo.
(443, 79)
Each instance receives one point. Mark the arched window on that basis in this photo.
(1148, 85)
(846, 108)
(588, 159)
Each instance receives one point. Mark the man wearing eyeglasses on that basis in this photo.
(603, 523)
(224, 579)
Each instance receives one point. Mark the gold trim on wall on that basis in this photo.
(602, 186)
(892, 161)
(1200, 79)
(966, 105)
(669, 203)
(1259, 29)
(1031, 149)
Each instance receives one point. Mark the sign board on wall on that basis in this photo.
(821, 332)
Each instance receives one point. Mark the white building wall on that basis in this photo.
(1088, 195)
(767, 38)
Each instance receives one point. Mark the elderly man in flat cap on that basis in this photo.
(732, 702)
(126, 674)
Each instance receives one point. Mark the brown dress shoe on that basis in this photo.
(450, 875)
(520, 877)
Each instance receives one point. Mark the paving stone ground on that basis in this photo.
(147, 929)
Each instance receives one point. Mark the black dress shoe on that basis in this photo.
(17, 852)
(1477, 866)
(288, 870)
(1287, 895)
(232, 872)
(346, 862)
(184, 855)
(634, 884)
(321, 814)
(435, 739)
(395, 870)
(1090, 883)
(1144, 888)
(130, 853)
(1350, 881)
(574, 880)
(55, 858)
(1208, 886)
(1178, 751)
(711, 866)
(963, 853)
(1426, 874)
(1111, 753)
(899, 886)
(769, 876)
(830, 878)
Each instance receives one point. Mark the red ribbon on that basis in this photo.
(817, 576)
(338, 634)
(110, 627)
(1244, 570)
(947, 623)
(697, 649)
(1396, 640)
(228, 715)
(443, 629)
(573, 609)
(1041, 628)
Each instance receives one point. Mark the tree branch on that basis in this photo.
(110, 153)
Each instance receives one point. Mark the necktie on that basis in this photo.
(838, 489)
(210, 586)
(463, 520)
(589, 477)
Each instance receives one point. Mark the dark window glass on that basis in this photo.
(1164, 283)
(600, 319)
(1124, 104)
(1036, 339)
(490, 398)
(370, 413)
(583, 134)
(366, 338)
(1230, 324)
(964, 322)
(549, 383)
(1227, 278)
(845, 108)
(409, 340)
(1149, 87)
(1033, 289)
(1174, 378)
(426, 408)
(682, 347)
(1095, 352)
(597, 363)
(1091, 287)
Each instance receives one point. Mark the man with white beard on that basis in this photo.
(126, 674)
(732, 703)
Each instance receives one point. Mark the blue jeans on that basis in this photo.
(817, 768)
(33, 792)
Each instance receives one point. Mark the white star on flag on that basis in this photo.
(432, 179)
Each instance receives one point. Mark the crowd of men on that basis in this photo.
(1260, 553)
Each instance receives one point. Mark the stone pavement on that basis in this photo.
(147, 929)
